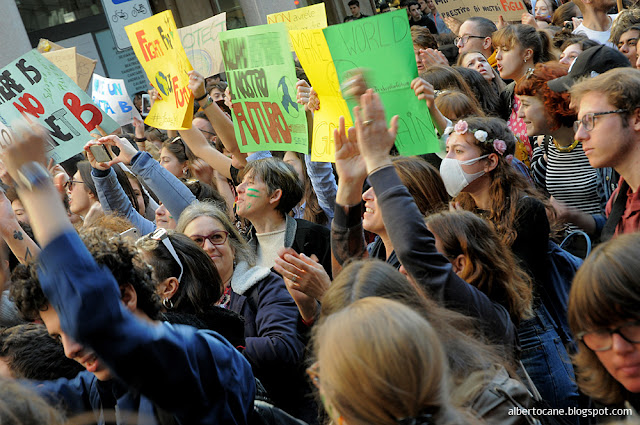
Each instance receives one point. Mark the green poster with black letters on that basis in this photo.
(382, 46)
(262, 80)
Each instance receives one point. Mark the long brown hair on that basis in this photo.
(491, 266)
(423, 182)
(507, 185)
(312, 210)
(605, 292)
(379, 362)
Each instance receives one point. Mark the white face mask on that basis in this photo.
(454, 177)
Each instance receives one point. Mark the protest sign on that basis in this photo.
(312, 51)
(382, 46)
(262, 81)
(111, 96)
(35, 90)
(158, 48)
(305, 18)
(510, 10)
(65, 59)
(121, 13)
(202, 44)
(84, 65)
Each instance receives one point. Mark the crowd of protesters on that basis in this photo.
(186, 282)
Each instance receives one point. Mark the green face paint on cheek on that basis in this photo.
(253, 193)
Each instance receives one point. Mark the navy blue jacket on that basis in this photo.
(194, 375)
(273, 346)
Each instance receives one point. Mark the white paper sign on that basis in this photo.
(202, 45)
(111, 96)
(121, 13)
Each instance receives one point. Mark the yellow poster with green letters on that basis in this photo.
(157, 46)
(305, 18)
(313, 52)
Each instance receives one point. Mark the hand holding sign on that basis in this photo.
(307, 96)
(196, 84)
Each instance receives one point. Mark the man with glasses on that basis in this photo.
(475, 35)
(608, 126)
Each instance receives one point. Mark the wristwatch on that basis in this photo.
(32, 175)
(207, 102)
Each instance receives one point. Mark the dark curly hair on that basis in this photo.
(555, 104)
(108, 249)
(31, 353)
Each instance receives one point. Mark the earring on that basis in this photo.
(167, 303)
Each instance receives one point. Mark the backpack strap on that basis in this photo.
(619, 205)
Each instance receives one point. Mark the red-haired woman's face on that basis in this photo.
(535, 116)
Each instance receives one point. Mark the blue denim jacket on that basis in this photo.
(194, 375)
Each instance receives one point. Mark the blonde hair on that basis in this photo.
(380, 361)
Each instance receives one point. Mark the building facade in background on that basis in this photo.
(84, 24)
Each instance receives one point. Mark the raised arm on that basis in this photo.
(202, 149)
(197, 366)
(347, 234)
(413, 243)
(221, 123)
(111, 195)
(22, 246)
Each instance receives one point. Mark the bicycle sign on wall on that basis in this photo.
(121, 13)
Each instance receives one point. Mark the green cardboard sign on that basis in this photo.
(262, 81)
(34, 90)
(382, 46)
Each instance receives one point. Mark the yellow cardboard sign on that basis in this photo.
(305, 18)
(157, 46)
(312, 51)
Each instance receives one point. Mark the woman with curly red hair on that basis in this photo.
(559, 164)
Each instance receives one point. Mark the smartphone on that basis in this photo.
(146, 105)
(131, 234)
(100, 153)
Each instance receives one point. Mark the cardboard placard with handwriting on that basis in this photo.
(510, 10)
(201, 42)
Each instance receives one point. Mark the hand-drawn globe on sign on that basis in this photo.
(286, 89)
(200, 59)
(163, 84)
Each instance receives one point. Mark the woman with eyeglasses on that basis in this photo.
(559, 164)
(188, 282)
(380, 362)
(273, 346)
(604, 317)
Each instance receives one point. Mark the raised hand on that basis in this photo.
(349, 163)
(196, 84)
(374, 138)
(424, 91)
(307, 96)
(430, 57)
